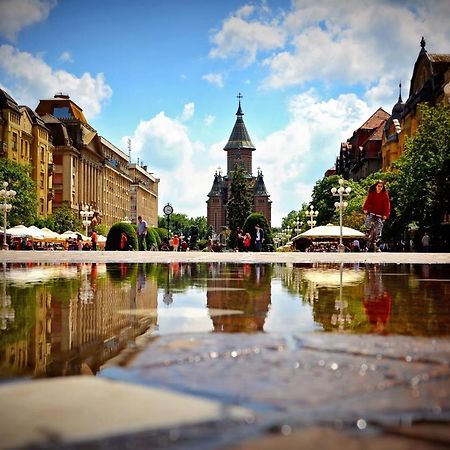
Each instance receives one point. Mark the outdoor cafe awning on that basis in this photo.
(329, 232)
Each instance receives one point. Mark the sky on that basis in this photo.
(167, 74)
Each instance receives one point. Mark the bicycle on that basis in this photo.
(372, 232)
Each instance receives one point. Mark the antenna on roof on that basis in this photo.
(129, 150)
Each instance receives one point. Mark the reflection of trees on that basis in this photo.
(245, 288)
(419, 307)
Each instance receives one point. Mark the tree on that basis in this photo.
(25, 202)
(422, 186)
(65, 218)
(240, 201)
(249, 227)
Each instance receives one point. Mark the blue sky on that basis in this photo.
(166, 74)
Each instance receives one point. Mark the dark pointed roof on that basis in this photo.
(216, 190)
(260, 187)
(239, 137)
(398, 108)
(6, 101)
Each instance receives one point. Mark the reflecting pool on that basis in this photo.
(58, 320)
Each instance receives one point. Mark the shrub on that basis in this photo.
(115, 232)
(150, 239)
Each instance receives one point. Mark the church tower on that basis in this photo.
(239, 150)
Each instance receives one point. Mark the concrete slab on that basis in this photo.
(12, 256)
(74, 409)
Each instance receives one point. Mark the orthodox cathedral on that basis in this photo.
(239, 151)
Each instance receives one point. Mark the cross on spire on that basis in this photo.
(239, 96)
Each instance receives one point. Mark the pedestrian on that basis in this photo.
(142, 233)
(426, 242)
(259, 238)
(247, 241)
(123, 241)
(239, 239)
(175, 242)
(377, 208)
(355, 245)
(94, 240)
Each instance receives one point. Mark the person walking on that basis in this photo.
(175, 242)
(259, 237)
(426, 242)
(94, 240)
(123, 245)
(377, 207)
(142, 233)
(247, 241)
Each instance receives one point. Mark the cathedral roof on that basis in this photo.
(216, 190)
(399, 107)
(260, 187)
(239, 137)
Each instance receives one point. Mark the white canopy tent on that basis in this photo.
(330, 232)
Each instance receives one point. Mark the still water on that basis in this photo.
(60, 320)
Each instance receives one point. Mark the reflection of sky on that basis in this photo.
(186, 314)
(287, 313)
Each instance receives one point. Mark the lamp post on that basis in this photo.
(86, 216)
(5, 194)
(312, 215)
(341, 192)
(168, 210)
(299, 225)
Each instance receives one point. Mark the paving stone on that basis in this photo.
(73, 409)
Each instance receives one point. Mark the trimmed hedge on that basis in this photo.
(115, 232)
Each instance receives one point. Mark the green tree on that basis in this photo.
(422, 185)
(240, 201)
(65, 218)
(24, 203)
(249, 227)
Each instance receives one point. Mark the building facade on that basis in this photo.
(239, 150)
(90, 170)
(25, 139)
(360, 155)
(144, 195)
(430, 83)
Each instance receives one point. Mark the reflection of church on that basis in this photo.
(239, 150)
(246, 289)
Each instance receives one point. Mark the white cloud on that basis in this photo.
(43, 82)
(214, 78)
(290, 157)
(335, 41)
(245, 38)
(209, 120)
(65, 57)
(188, 111)
(16, 15)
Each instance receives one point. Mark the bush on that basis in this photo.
(115, 232)
(249, 227)
(150, 239)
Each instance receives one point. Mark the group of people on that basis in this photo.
(244, 240)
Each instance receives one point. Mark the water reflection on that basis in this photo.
(70, 319)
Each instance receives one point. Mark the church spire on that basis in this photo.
(239, 137)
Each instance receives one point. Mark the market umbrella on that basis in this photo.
(23, 231)
(50, 235)
(329, 231)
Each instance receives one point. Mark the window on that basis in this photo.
(14, 142)
(62, 112)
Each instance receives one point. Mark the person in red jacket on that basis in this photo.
(377, 206)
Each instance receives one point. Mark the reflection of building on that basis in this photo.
(76, 325)
(239, 150)
(248, 290)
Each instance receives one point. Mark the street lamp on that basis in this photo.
(312, 215)
(341, 192)
(298, 224)
(86, 216)
(6, 208)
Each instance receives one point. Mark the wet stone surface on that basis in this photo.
(345, 381)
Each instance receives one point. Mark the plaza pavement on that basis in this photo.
(241, 391)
